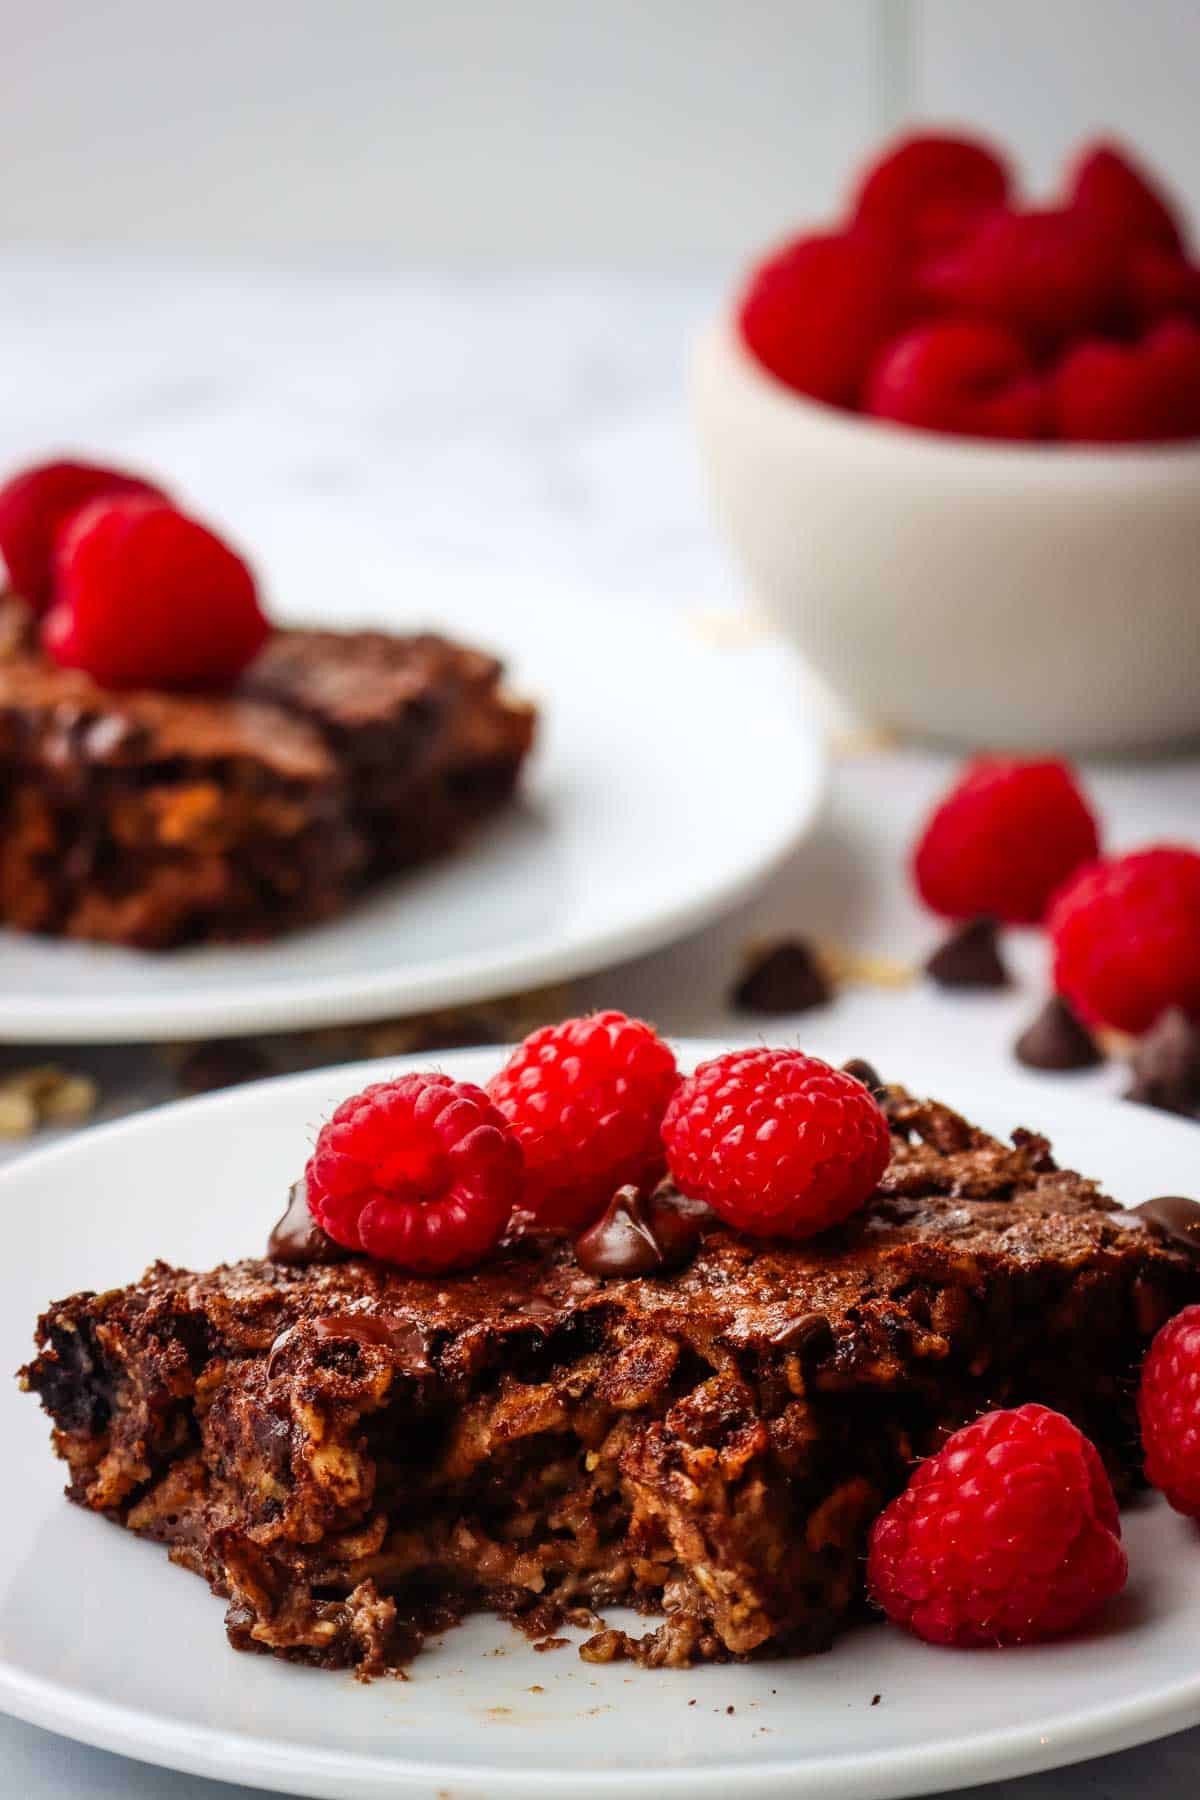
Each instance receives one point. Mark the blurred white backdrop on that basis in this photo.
(668, 133)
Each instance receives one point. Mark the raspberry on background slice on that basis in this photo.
(958, 375)
(421, 1172)
(147, 597)
(1108, 185)
(585, 1099)
(1008, 1535)
(1004, 837)
(928, 188)
(37, 503)
(1148, 392)
(1162, 285)
(1048, 275)
(777, 1143)
(1169, 1411)
(816, 312)
(1125, 937)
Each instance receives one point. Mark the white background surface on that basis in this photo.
(539, 129)
(501, 432)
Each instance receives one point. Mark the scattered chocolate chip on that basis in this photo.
(786, 978)
(226, 1063)
(866, 1073)
(1058, 1039)
(969, 958)
(639, 1236)
(1166, 1066)
(875, 1699)
(297, 1239)
(1178, 1219)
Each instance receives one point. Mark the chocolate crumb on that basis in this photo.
(1058, 1039)
(226, 1063)
(875, 1699)
(1166, 1066)
(784, 978)
(729, 1709)
(691, 1703)
(551, 1643)
(969, 958)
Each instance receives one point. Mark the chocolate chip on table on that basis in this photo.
(227, 1062)
(969, 958)
(1058, 1039)
(1166, 1066)
(786, 977)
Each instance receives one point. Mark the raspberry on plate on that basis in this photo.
(585, 1099)
(777, 1143)
(1162, 285)
(816, 312)
(1130, 393)
(37, 503)
(958, 375)
(1107, 185)
(147, 597)
(1008, 1535)
(1002, 840)
(1125, 933)
(928, 188)
(1048, 275)
(422, 1172)
(1169, 1411)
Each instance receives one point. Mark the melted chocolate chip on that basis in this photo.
(1178, 1219)
(297, 1239)
(866, 1073)
(802, 1333)
(1057, 1039)
(969, 958)
(639, 1236)
(786, 978)
(1166, 1066)
(402, 1337)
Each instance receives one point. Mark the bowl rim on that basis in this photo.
(1098, 463)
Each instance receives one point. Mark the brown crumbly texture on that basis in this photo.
(427, 737)
(157, 819)
(350, 1455)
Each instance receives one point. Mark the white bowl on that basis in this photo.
(1017, 596)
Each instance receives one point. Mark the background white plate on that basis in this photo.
(670, 778)
(102, 1639)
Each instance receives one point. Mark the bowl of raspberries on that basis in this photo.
(954, 440)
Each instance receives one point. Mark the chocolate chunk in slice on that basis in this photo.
(969, 958)
(866, 1073)
(636, 1235)
(1177, 1218)
(1058, 1039)
(1166, 1066)
(785, 978)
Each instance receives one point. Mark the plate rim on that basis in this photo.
(397, 991)
(267, 1763)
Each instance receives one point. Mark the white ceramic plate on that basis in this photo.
(645, 813)
(102, 1639)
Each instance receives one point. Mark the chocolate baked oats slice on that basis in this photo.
(350, 1455)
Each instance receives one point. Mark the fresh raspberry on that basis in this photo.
(586, 1099)
(928, 189)
(1162, 285)
(1107, 185)
(1139, 393)
(958, 375)
(1169, 1411)
(1009, 1535)
(34, 507)
(1047, 275)
(421, 1172)
(1003, 839)
(1125, 933)
(816, 312)
(778, 1143)
(146, 597)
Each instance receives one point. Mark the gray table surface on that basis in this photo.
(535, 419)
